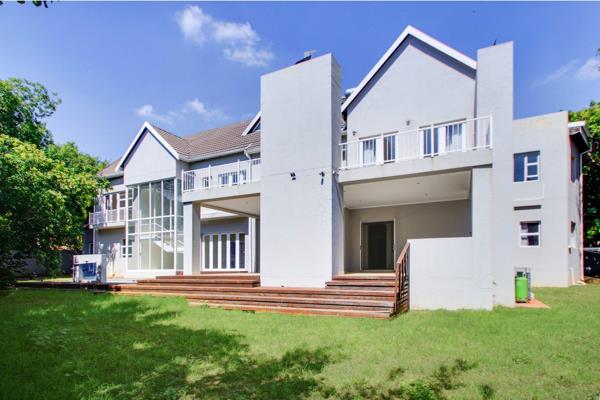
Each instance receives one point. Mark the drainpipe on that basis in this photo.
(582, 211)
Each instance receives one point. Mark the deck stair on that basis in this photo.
(346, 295)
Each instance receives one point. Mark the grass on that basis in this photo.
(75, 344)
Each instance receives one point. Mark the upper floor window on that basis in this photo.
(527, 166)
(529, 234)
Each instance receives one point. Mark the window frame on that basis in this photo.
(526, 165)
(522, 235)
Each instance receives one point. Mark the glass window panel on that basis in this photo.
(156, 201)
(389, 148)
(206, 255)
(156, 251)
(144, 201)
(232, 258)
(179, 248)
(242, 246)
(532, 172)
(144, 253)
(369, 152)
(168, 197)
(132, 261)
(168, 251)
(223, 262)
(215, 251)
(519, 168)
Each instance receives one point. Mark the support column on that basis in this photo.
(481, 227)
(495, 99)
(191, 238)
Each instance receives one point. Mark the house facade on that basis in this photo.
(424, 151)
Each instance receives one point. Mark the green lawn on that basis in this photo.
(73, 344)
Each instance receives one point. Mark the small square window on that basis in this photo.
(529, 234)
(527, 166)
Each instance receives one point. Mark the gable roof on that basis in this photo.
(210, 143)
(159, 136)
(414, 32)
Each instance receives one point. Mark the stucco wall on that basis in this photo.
(418, 84)
(443, 275)
(300, 127)
(149, 161)
(108, 242)
(416, 221)
(547, 200)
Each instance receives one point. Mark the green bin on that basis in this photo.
(521, 289)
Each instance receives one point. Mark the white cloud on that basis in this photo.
(148, 112)
(240, 41)
(589, 70)
(556, 74)
(200, 108)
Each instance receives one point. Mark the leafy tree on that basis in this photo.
(45, 189)
(591, 173)
(23, 106)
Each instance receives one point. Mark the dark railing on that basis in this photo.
(401, 304)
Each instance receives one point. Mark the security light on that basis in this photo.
(293, 175)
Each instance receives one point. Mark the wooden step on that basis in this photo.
(364, 277)
(300, 311)
(212, 275)
(356, 284)
(266, 291)
(202, 282)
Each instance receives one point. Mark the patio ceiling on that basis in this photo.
(412, 190)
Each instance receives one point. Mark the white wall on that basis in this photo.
(549, 200)
(495, 79)
(149, 161)
(443, 275)
(429, 220)
(418, 83)
(108, 242)
(301, 222)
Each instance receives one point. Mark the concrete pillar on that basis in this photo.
(495, 98)
(301, 215)
(191, 238)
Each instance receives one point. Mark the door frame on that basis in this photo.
(371, 221)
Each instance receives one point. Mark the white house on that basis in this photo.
(425, 151)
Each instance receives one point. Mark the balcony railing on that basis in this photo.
(233, 174)
(429, 141)
(107, 216)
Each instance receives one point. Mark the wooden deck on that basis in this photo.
(353, 295)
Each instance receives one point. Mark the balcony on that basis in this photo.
(233, 174)
(107, 218)
(431, 141)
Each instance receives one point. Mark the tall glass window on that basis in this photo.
(155, 225)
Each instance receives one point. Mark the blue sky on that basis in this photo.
(189, 66)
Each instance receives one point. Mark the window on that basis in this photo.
(223, 251)
(526, 166)
(368, 152)
(154, 226)
(454, 137)
(529, 234)
(125, 249)
(389, 148)
(430, 142)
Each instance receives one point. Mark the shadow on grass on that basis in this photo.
(87, 346)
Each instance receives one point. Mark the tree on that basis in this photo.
(45, 189)
(591, 173)
(23, 106)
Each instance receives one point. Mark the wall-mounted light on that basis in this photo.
(322, 175)
(293, 175)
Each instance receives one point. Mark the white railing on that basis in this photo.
(429, 141)
(107, 216)
(232, 174)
